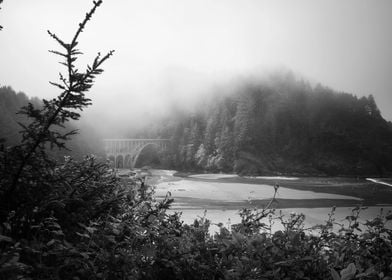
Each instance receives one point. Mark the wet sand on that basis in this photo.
(223, 195)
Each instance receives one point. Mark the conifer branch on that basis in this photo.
(60, 110)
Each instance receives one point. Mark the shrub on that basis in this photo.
(76, 220)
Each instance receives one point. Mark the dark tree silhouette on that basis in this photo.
(43, 129)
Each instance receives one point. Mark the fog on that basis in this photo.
(171, 54)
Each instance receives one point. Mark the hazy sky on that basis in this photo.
(174, 49)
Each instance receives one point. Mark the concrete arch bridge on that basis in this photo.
(124, 153)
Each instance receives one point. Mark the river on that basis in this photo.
(220, 197)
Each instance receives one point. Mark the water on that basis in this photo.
(232, 192)
(219, 198)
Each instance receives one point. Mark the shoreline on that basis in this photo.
(372, 192)
(186, 203)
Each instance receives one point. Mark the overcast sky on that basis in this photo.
(174, 49)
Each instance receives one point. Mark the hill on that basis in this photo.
(282, 126)
(86, 142)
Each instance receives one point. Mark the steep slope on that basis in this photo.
(283, 126)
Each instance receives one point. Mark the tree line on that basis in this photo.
(10, 104)
(77, 220)
(11, 119)
(285, 126)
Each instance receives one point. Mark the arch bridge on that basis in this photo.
(125, 152)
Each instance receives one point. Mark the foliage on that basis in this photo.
(77, 220)
(10, 103)
(85, 142)
(285, 125)
(43, 130)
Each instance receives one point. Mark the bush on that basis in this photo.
(76, 220)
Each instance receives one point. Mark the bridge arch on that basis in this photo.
(142, 148)
(120, 161)
(126, 152)
(128, 161)
(112, 160)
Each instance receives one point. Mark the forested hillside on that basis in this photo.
(10, 104)
(284, 126)
(77, 220)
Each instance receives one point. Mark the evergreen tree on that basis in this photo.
(243, 122)
(287, 126)
(19, 185)
(201, 157)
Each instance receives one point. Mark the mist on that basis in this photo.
(218, 131)
(170, 55)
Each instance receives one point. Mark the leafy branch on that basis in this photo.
(56, 112)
